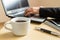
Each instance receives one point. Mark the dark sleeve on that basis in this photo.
(49, 12)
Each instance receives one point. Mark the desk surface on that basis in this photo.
(33, 35)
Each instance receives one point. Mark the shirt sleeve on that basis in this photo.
(49, 12)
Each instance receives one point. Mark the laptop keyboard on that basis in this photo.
(17, 10)
(19, 13)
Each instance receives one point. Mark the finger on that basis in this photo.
(28, 14)
(28, 11)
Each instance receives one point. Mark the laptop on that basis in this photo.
(16, 8)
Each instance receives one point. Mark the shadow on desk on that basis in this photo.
(9, 36)
(34, 22)
(1, 25)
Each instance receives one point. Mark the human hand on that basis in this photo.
(32, 11)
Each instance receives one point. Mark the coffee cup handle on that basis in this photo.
(7, 25)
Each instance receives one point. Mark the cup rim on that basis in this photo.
(24, 18)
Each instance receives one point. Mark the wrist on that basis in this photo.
(36, 10)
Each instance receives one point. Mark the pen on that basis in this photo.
(47, 31)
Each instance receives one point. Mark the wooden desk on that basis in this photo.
(33, 34)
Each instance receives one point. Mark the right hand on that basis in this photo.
(33, 10)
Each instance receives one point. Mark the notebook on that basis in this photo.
(16, 8)
(55, 23)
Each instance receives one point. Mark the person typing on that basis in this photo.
(44, 12)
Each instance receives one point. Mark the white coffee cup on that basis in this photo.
(20, 25)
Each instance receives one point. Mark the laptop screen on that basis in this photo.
(14, 4)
